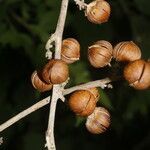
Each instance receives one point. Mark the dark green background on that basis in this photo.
(25, 26)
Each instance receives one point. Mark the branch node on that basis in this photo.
(110, 86)
(49, 45)
(81, 4)
(103, 86)
(62, 98)
(48, 54)
(61, 90)
(64, 83)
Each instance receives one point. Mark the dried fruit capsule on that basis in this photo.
(100, 54)
(82, 102)
(39, 84)
(70, 51)
(126, 51)
(98, 121)
(95, 92)
(137, 73)
(98, 11)
(55, 71)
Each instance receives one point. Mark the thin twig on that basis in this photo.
(60, 28)
(98, 83)
(50, 140)
(24, 113)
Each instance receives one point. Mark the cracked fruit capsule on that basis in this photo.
(137, 73)
(126, 51)
(70, 51)
(99, 121)
(39, 84)
(98, 11)
(82, 102)
(55, 72)
(100, 54)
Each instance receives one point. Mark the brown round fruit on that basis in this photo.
(100, 54)
(39, 84)
(70, 51)
(137, 73)
(98, 11)
(55, 71)
(98, 121)
(126, 51)
(82, 102)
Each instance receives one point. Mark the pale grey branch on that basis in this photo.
(98, 83)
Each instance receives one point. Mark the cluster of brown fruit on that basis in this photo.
(100, 54)
(83, 103)
(136, 71)
(57, 71)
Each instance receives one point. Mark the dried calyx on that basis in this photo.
(39, 84)
(83, 102)
(55, 71)
(126, 51)
(98, 121)
(98, 11)
(137, 73)
(100, 54)
(70, 51)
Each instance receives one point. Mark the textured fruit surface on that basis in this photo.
(82, 102)
(126, 51)
(98, 11)
(137, 73)
(70, 51)
(55, 72)
(39, 84)
(98, 121)
(100, 54)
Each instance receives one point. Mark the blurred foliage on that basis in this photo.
(25, 26)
